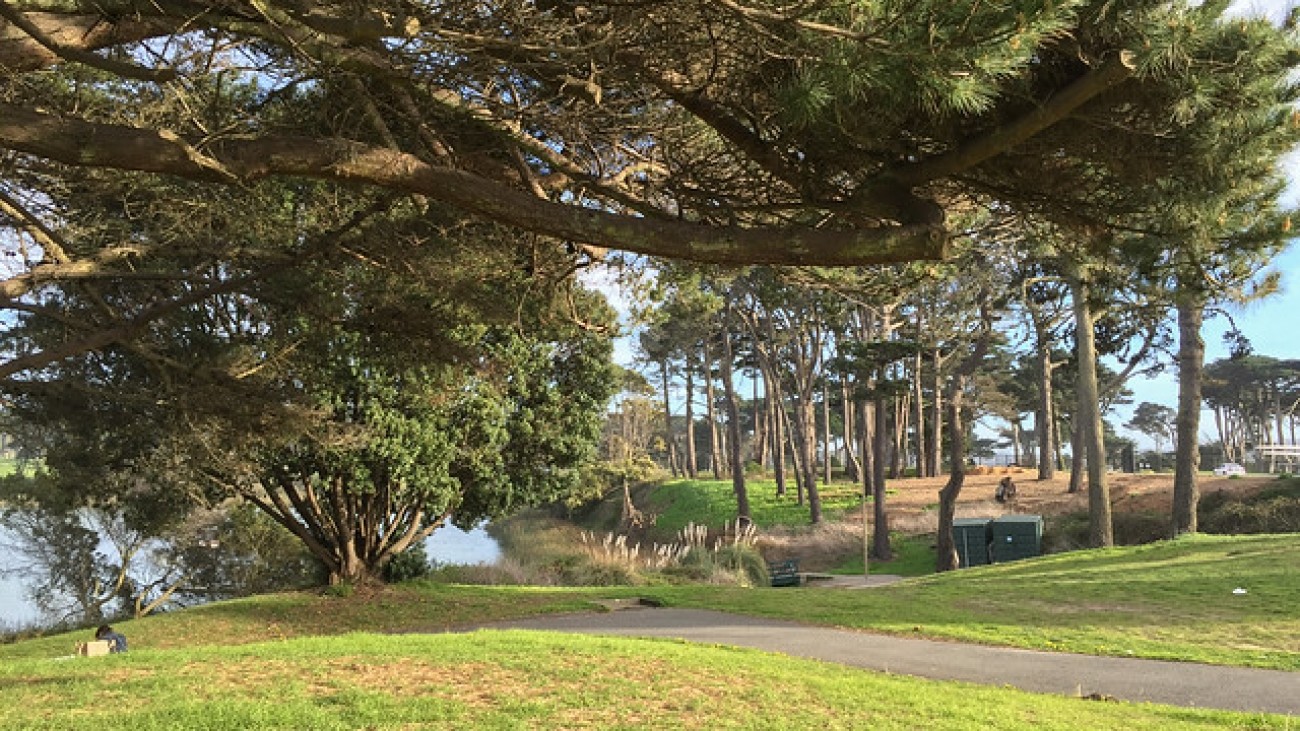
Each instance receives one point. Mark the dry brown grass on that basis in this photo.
(913, 501)
(818, 547)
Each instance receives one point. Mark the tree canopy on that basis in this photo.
(415, 372)
(831, 133)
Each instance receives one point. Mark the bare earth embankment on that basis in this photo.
(912, 501)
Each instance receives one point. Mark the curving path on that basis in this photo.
(1172, 683)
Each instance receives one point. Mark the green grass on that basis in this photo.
(514, 680)
(1169, 600)
(712, 503)
(295, 660)
(413, 607)
(913, 556)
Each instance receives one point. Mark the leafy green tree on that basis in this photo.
(361, 405)
(1156, 421)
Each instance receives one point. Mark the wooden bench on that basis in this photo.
(785, 572)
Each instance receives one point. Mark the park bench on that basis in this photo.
(784, 572)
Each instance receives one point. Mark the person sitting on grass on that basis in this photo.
(116, 640)
(1006, 490)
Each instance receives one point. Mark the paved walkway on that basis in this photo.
(1173, 683)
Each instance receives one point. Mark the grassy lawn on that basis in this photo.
(913, 556)
(712, 503)
(411, 607)
(515, 680)
(1170, 600)
(323, 661)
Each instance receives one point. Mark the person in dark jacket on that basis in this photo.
(1006, 490)
(116, 640)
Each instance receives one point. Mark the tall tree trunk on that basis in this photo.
(669, 442)
(1045, 416)
(1187, 460)
(826, 434)
(880, 541)
(716, 458)
(1059, 443)
(1100, 528)
(936, 415)
(1219, 422)
(852, 466)
(946, 555)
(733, 424)
(919, 398)
(791, 448)
(868, 411)
(692, 463)
(760, 411)
(808, 416)
(803, 425)
(1078, 456)
(778, 437)
(899, 407)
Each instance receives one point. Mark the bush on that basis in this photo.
(745, 562)
(1065, 532)
(1274, 509)
(413, 563)
(1277, 515)
(1071, 531)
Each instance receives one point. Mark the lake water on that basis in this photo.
(447, 546)
(451, 546)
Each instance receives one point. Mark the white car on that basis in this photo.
(1229, 468)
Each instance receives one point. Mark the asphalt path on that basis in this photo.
(1190, 685)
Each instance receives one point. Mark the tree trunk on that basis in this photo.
(936, 416)
(868, 411)
(692, 465)
(899, 438)
(919, 398)
(1059, 443)
(810, 456)
(1187, 460)
(669, 443)
(733, 426)
(1045, 417)
(716, 458)
(775, 399)
(759, 409)
(852, 467)
(946, 555)
(826, 434)
(803, 425)
(1223, 437)
(880, 541)
(1100, 529)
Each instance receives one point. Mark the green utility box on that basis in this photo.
(1015, 537)
(971, 536)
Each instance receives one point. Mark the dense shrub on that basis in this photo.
(745, 562)
(413, 563)
(1274, 509)
(1069, 531)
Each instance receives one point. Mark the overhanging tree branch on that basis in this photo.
(1056, 108)
(78, 55)
(80, 143)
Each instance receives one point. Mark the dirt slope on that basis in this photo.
(913, 500)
